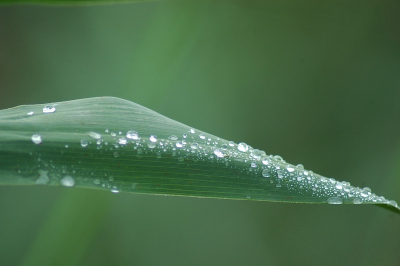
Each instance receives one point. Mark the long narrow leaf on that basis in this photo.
(114, 144)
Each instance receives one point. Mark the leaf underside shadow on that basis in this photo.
(114, 144)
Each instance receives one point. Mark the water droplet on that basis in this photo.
(181, 159)
(335, 200)
(106, 130)
(122, 141)
(36, 138)
(281, 173)
(84, 143)
(43, 179)
(116, 154)
(115, 190)
(256, 154)
(94, 135)
(30, 113)
(194, 146)
(139, 151)
(201, 136)
(231, 143)
(49, 109)
(179, 144)
(339, 185)
(67, 181)
(218, 153)
(300, 167)
(192, 131)
(153, 138)
(265, 160)
(357, 201)
(173, 137)
(111, 178)
(151, 145)
(265, 173)
(131, 134)
(367, 189)
(96, 181)
(66, 146)
(279, 158)
(290, 168)
(253, 164)
(224, 147)
(364, 193)
(243, 147)
(113, 134)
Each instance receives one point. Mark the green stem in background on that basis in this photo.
(69, 228)
(113, 144)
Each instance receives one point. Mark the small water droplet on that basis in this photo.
(36, 138)
(115, 190)
(300, 167)
(67, 181)
(256, 154)
(357, 201)
(66, 146)
(243, 147)
(201, 136)
(224, 147)
(153, 138)
(122, 141)
(367, 189)
(265, 173)
(111, 178)
(173, 137)
(231, 143)
(265, 160)
(106, 130)
(116, 154)
(30, 113)
(218, 153)
(194, 146)
(179, 144)
(94, 135)
(139, 151)
(49, 109)
(290, 168)
(339, 185)
(151, 145)
(192, 131)
(96, 181)
(113, 134)
(131, 134)
(335, 200)
(364, 193)
(84, 143)
(181, 159)
(43, 179)
(253, 164)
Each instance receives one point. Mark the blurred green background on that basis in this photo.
(317, 82)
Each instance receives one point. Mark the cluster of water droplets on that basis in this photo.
(192, 146)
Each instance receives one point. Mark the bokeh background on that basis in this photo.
(317, 82)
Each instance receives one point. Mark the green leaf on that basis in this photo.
(114, 144)
(69, 2)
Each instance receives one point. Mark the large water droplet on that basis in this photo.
(36, 138)
(339, 185)
(49, 109)
(335, 200)
(218, 153)
(84, 143)
(67, 181)
(153, 138)
(131, 134)
(243, 147)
